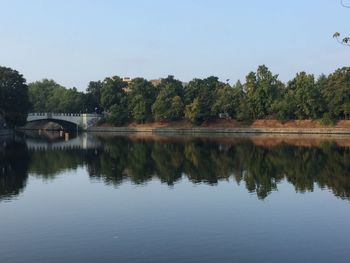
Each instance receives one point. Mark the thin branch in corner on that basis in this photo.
(344, 5)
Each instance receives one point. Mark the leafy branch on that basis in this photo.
(346, 40)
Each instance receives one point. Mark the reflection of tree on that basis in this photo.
(167, 159)
(14, 160)
(206, 162)
(48, 164)
(139, 162)
(110, 164)
(261, 174)
(259, 168)
(303, 167)
(335, 173)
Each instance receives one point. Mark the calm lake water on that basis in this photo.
(139, 198)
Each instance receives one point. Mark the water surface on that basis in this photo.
(98, 198)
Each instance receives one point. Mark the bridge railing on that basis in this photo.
(63, 114)
(37, 114)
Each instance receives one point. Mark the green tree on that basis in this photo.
(262, 88)
(168, 105)
(336, 91)
(284, 108)
(228, 99)
(142, 95)
(204, 92)
(175, 84)
(304, 96)
(114, 100)
(93, 96)
(118, 113)
(40, 94)
(240, 102)
(112, 92)
(193, 110)
(48, 96)
(177, 107)
(73, 101)
(14, 99)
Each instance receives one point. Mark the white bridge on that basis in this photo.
(81, 120)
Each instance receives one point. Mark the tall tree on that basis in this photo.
(114, 100)
(262, 88)
(168, 105)
(93, 96)
(113, 89)
(14, 100)
(241, 110)
(49, 96)
(200, 95)
(305, 96)
(41, 93)
(142, 95)
(336, 92)
(227, 99)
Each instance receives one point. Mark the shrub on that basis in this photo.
(327, 119)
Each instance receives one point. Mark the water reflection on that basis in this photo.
(258, 164)
(14, 165)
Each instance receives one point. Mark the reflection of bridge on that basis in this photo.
(81, 142)
(81, 120)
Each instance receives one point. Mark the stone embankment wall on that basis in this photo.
(225, 130)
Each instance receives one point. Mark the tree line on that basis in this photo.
(261, 96)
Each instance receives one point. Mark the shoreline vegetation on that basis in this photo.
(201, 101)
(262, 101)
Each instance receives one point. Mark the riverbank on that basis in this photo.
(233, 127)
(224, 130)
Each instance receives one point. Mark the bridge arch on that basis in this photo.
(43, 123)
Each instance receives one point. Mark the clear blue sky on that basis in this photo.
(76, 41)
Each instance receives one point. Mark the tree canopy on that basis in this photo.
(14, 101)
(261, 96)
(168, 105)
(141, 96)
(48, 96)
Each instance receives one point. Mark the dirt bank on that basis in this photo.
(236, 124)
(232, 126)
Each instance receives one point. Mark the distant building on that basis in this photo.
(155, 82)
(127, 79)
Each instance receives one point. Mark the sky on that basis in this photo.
(76, 41)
